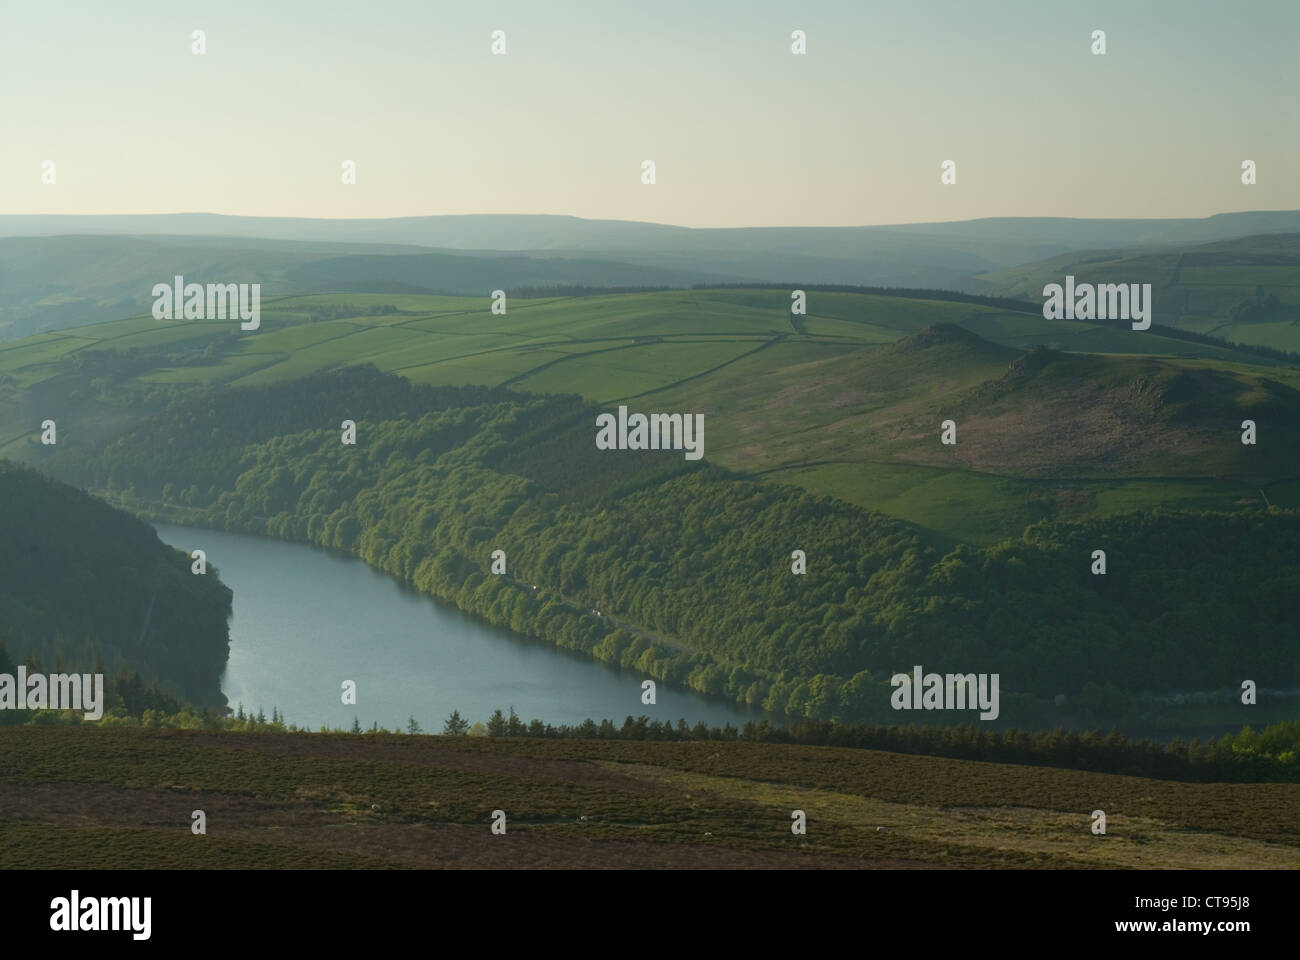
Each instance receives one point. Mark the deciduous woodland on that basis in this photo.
(690, 565)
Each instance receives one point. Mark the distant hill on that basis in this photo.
(463, 274)
(940, 255)
(57, 283)
(1077, 233)
(58, 272)
(1246, 290)
(533, 232)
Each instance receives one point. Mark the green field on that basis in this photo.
(1193, 288)
(830, 402)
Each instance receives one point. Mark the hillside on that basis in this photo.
(1246, 290)
(122, 798)
(92, 589)
(66, 282)
(1036, 414)
(822, 401)
(951, 255)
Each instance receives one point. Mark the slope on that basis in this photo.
(1245, 290)
(91, 588)
(821, 400)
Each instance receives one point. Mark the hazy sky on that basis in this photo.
(743, 133)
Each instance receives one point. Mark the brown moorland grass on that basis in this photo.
(123, 797)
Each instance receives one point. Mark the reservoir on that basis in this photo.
(305, 620)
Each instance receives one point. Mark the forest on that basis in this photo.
(90, 588)
(689, 566)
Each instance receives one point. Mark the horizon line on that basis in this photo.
(654, 223)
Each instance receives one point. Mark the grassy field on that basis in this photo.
(123, 797)
(840, 402)
(1193, 288)
(301, 334)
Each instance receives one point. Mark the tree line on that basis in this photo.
(1269, 755)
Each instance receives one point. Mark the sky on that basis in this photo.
(742, 131)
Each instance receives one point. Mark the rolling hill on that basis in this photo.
(59, 283)
(840, 401)
(1245, 290)
(1014, 235)
(947, 255)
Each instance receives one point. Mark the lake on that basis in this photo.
(305, 620)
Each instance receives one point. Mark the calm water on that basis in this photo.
(306, 620)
